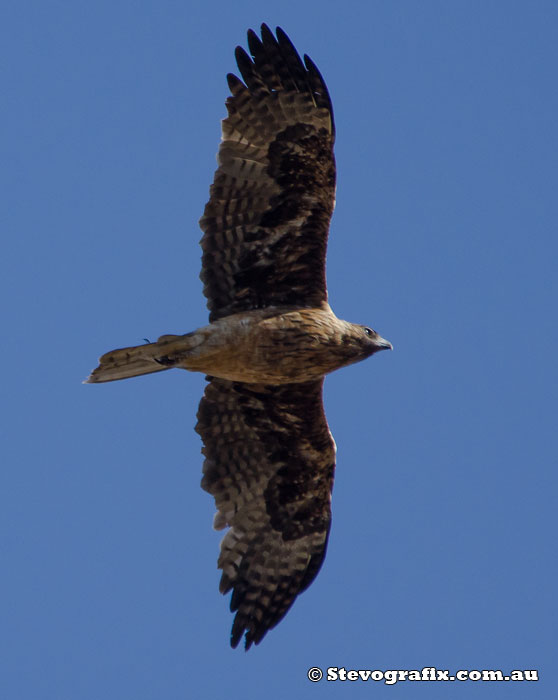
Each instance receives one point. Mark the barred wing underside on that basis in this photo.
(269, 463)
(267, 220)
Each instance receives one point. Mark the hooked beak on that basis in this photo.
(382, 343)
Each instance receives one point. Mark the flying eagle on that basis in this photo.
(272, 336)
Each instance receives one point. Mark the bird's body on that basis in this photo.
(272, 336)
(271, 346)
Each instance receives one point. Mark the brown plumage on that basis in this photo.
(272, 337)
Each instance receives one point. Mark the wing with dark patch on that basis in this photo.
(267, 220)
(269, 463)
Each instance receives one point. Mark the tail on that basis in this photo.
(142, 359)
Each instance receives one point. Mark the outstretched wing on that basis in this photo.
(267, 220)
(269, 463)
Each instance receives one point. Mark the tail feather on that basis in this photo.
(135, 361)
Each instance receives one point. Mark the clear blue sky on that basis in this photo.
(442, 551)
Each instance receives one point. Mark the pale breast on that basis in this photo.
(270, 346)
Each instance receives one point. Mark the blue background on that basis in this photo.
(442, 551)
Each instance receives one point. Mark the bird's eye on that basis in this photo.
(369, 332)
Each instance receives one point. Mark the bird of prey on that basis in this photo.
(272, 336)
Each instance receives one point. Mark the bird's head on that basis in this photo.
(370, 341)
(360, 342)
